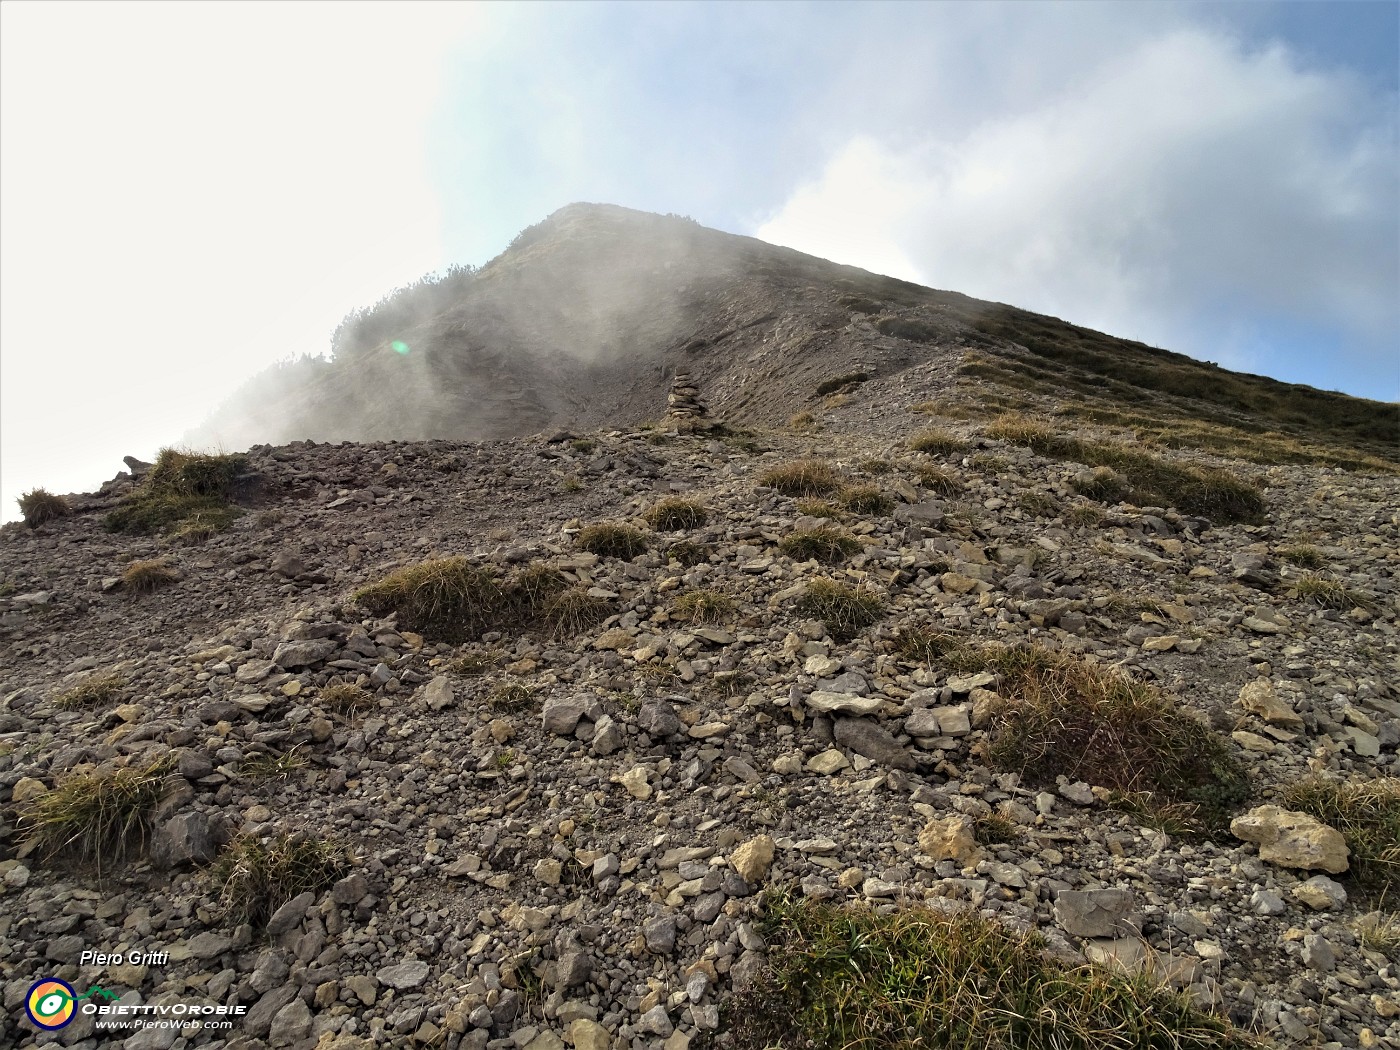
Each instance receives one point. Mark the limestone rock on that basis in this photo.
(753, 859)
(1292, 840)
(949, 838)
(1260, 698)
(1095, 913)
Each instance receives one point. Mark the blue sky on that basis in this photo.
(189, 192)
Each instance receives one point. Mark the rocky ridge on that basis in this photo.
(582, 868)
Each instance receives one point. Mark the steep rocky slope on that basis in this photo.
(560, 834)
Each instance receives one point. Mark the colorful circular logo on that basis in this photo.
(51, 1003)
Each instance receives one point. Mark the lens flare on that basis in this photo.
(399, 347)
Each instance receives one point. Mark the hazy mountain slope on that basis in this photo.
(584, 319)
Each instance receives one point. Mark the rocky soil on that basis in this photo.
(582, 868)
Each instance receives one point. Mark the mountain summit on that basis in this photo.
(584, 320)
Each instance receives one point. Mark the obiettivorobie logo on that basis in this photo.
(51, 1003)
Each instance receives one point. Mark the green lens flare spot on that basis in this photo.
(398, 347)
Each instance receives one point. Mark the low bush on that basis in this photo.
(937, 442)
(703, 605)
(92, 691)
(865, 499)
(179, 488)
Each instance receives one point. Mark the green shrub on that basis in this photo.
(612, 540)
(449, 598)
(843, 609)
(826, 545)
(574, 610)
(1068, 716)
(674, 513)
(40, 506)
(807, 477)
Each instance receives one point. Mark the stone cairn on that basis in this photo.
(683, 404)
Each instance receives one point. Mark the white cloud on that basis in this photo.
(1165, 190)
(191, 192)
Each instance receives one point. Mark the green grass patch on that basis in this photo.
(1367, 813)
(1329, 593)
(843, 609)
(674, 513)
(818, 508)
(825, 544)
(343, 698)
(687, 553)
(1146, 479)
(806, 477)
(449, 598)
(940, 480)
(573, 611)
(1303, 555)
(98, 817)
(256, 876)
(846, 977)
(182, 487)
(40, 506)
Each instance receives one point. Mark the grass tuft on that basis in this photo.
(1328, 593)
(91, 691)
(509, 696)
(805, 477)
(703, 605)
(687, 553)
(936, 441)
(256, 876)
(345, 698)
(40, 506)
(448, 598)
(612, 540)
(849, 977)
(573, 611)
(938, 479)
(825, 544)
(1066, 715)
(145, 577)
(865, 499)
(843, 609)
(1367, 813)
(1303, 555)
(674, 513)
(99, 816)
